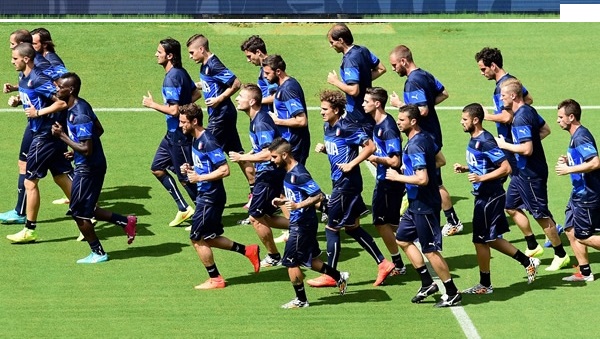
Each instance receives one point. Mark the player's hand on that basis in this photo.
(7, 88)
(57, 130)
(69, 155)
(332, 78)
(147, 101)
(183, 169)
(474, 178)
(278, 201)
(561, 168)
(458, 168)
(274, 117)
(213, 102)
(290, 205)
(31, 112)
(392, 174)
(14, 101)
(395, 100)
(501, 141)
(347, 167)
(234, 156)
(320, 148)
(562, 159)
(193, 177)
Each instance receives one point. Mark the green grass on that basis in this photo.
(146, 288)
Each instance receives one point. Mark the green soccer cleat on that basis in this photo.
(24, 236)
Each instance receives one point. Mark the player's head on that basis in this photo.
(169, 50)
(255, 49)
(22, 55)
(190, 117)
(408, 118)
(42, 40)
(489, 61)
(511, 90)
(400, 58)
(20, 36)
(197, 45)
(249, 96)
(569, 112)
(375, 97)
(333, 105)
(472, 116)
(338, 36)
(273, 68)
(67, 85)
(281, 152)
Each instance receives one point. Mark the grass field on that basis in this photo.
(145, 290)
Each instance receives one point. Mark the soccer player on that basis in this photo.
(487, 165)
(175, 148)
(84, 130)
(269, 179)
(420, 221)
(302, 248)
(255, 50)
(346, 146)
(209, 169)
(583, 165)
(424, 90)
(45, 153)
(42, 43)
(527, 189)
(291, 114)
(387, 195)
(219, 84)
(358, 70)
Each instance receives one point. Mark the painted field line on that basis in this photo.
(458, 311)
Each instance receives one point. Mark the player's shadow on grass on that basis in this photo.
(124, 207)
(352, 296)
(266, 275)
(546, 282)
(463, 261)
(154, 251)
(125, 192)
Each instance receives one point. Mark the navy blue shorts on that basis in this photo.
(585, 221)
(207, 220)
(170, 156)
(302, 246)
(344, 208)
(262, 196)
(387, 199)
(227, 136)
(46, 154)
(489, 219)
(25, 143)
(85, 193)
(425, 227)
(530, 195)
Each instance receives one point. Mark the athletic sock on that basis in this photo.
(521, 258)
(21, 196)
(30, 224)
(333, 247)
(485, 278)
(397, 260)
(330, 271)
(367, 242)
(559, 251)
(96, 247)
(585, 270)
(251, 188)
(451, 216)
(239, 248)
(450, 287)
(118, 219)
(212, 270)
(275, 256)
(426, 279)
(531, 242)
(300, 292)
(171, 187)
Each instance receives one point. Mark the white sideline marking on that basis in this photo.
(458, 311)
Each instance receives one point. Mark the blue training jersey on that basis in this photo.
(484, 156)
(36, 90)
(342, 141)
(215, 79)
(526, 127)
(419, 154)
(386, 137)
(44, 65)
(289, 102)
(266, 88)
(586, 186)
(177, 89)
(80, 126)
(58, 66)
(298, 185)
(421, 88)
(262, 133)
(356, 68)
(503, 129)
(208, 156)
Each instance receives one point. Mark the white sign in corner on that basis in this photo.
(580, 12)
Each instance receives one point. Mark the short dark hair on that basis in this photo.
(45, 38)
(254, 90)
(571, 107)
(202, 40)
(25, 49)
(475, 110)
(281, 145)
(275, 62)
(254, 44)
(401, 51)
(412, 111)
(341, 31)
(173, 47)
(22, 35)
(336, 98)
(74, 81)
(378, 94)
(488, 55)
(191, 112)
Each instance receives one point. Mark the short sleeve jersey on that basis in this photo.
(215, 79)
(36, 90)
(266, 88)
(208, 156)
(386, 137)
(526, 127)
(298, 185)
(58, 66)
(262, 133)
(419, 154)
(503, 129)
(80, 126)
(289, 102)
(177, 89)
(484, 156)
(356, 68)
(586, 186)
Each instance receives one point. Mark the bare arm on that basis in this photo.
(420, 177)
(545, 131)
(220, 173)
(392, 162)
(562, 168)
(297, 121)
(441, 97)
(378, 71)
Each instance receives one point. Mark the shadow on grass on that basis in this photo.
(125, 192)
(352, 296)
(266, 275)
(160, 250)
(513, 291)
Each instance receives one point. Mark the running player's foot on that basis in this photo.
(560, 230)
(449, 300)
(384, 269)
(342, 284)
(130, 228)
(450, 229)
(579, 277)
(12, 217)
(253, 254)
(81, 237)
(295, 303)
(536, 252)
(269, 261)
(61, 201)
(24, 236)
(424, 292)
(93, 258)
(283, 237)
(247, 205)
(532, 269)
(322, 281)
(182, 216)
(558, 263)
(244, 221)
(189, 228)
(211, 284)
(398, 271)
(479, 289)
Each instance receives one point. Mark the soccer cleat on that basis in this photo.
(24, 236)
(283, 237)
(560, 230)
(189, 228)
(424, 292)
(579, 277)
(398, 271)
(182, 216)
(324, 218)
(247, 205)
(93, 258)
(270, 262)
(253, 254)
(342, 284)
(450, 230)
(449, 300)
(12, 217)
(532, 269)
(244, 221)
(130, 228)
(61, 201)
(81, 237)
(479, 289)
(211, 284)
(536, 252)
(322, 281)
(384, 269)
(295, 303)
(558, 263)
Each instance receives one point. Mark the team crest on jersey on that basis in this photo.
(206, 71)
(30, 83)
(338, 132)
(379, 133)
(71, 117)
(200, 145)
(293, 179)
(477, 144)
(278, 95)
